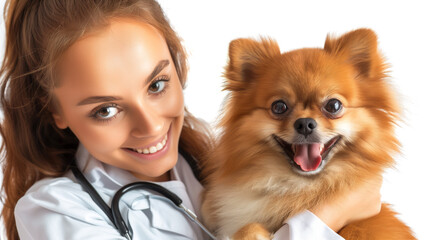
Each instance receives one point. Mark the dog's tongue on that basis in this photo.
(308, 156)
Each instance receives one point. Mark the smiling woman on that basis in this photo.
(107, 88)
(117, 121)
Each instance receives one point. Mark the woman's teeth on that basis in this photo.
(152, 149)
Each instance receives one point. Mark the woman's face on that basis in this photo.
(120, 94)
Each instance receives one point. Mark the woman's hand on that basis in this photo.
(358, 204)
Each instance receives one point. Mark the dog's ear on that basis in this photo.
(244, 56)
(359, 48)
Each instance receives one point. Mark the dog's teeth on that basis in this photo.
(322, 146)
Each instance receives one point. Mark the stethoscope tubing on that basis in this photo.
(117, 217)
(113, 212)
(87, 186)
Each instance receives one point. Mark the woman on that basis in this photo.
(101, 81)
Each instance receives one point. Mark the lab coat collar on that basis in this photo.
(100, 174)
(106, 176)
(109, 179)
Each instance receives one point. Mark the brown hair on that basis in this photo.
(37, 33)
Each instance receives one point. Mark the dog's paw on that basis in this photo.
(252, 231)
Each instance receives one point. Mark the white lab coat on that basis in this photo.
(58, 208)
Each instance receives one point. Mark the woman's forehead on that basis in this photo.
(125, 48)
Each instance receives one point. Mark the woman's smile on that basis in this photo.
(152, 151)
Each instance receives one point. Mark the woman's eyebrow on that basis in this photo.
(97, 99)
(158, 68)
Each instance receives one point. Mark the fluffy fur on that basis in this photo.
(252, 176)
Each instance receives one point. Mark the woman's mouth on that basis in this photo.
(152, 149)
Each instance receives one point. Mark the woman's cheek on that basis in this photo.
(102, 138)
(173, 104)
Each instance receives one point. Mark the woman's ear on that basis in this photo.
(55, 109)
(59, 121)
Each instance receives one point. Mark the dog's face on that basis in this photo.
(313, 109)
(311, 114)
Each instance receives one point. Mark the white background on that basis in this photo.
(207, 28)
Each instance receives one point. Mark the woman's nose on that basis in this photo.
(147, 122)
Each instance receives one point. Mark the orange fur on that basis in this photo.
(252, 231)
(383, 226)
(249, 177)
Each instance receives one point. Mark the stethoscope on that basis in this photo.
(115, 215)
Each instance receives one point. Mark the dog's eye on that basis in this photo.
(333, 106)
(279, 107)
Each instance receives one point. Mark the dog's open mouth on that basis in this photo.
(307, 157)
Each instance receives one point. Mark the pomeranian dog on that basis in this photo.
(299, 128)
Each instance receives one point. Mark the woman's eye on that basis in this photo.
(105, 113)
(333, 106)
(157, 86)
(279, 107)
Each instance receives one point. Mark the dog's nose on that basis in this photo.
(305, 126)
